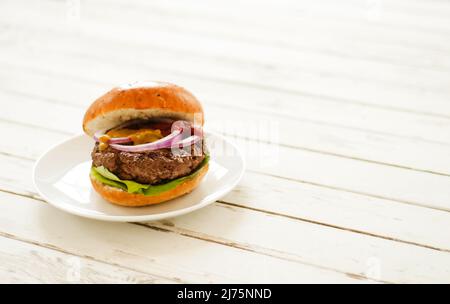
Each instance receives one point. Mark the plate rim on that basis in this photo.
(137, 218)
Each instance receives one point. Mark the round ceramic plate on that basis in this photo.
(61, 176)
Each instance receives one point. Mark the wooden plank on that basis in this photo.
(289, 77)
(311, 203)
(408, 9)
(237, 227)
(291, 17)
(37, 75)
(349, 174)
(318, 35)
(18, 174)
(270, 20)
(427, 130)
(151, 251)
(348, 143)
(382, 181)
(24, 262)
(306, 134)
(27, 141)
(270, 224)
(365, 178)
(327, 35)
(347, 11)
(283, 193)
(336, 87)
(378, 217)
(299, 240)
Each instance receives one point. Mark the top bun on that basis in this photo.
(141, 100)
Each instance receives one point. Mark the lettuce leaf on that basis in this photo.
(106, 177)
(130, 186)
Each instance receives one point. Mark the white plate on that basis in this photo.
(61, 177)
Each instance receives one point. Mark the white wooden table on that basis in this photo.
(358, 93)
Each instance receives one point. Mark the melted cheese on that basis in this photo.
(138, 136)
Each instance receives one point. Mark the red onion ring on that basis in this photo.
(165, 142)
(124, 140)
(173, 140)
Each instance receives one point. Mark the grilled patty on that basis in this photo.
(151, 167)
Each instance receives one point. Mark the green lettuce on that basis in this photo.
(106, 177)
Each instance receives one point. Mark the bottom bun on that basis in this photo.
(120, 197)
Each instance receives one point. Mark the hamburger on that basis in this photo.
(149, 145)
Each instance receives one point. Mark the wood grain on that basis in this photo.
(152, 251)
(332, 171)
(24, 262)
(337, 86)
(247, 239)
(344, 210)
(356, 91)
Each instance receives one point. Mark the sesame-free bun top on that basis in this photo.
(141, 100)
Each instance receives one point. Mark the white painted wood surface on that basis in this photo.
(358, 93)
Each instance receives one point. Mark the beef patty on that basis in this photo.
(150, 167)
